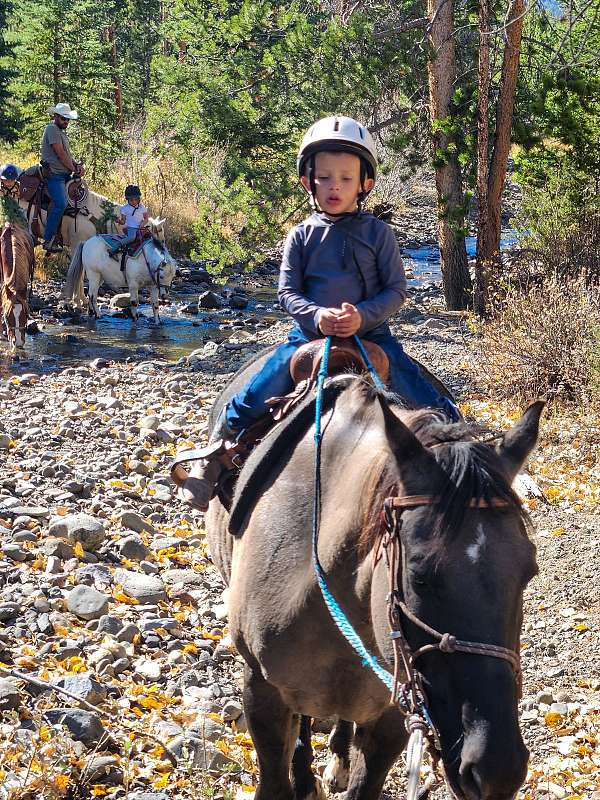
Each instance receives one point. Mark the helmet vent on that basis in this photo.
(361, 131)
(336, 127)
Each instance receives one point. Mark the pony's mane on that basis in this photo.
(158, 244)
(469, 469)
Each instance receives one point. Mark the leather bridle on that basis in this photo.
(410, 695)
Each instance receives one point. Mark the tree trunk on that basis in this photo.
(448, 180)
(504, 115)
(483, 140)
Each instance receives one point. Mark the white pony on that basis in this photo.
(153, 266)
(96, 215)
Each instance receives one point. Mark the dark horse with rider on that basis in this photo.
(375, 550)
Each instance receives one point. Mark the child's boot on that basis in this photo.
(211, 463)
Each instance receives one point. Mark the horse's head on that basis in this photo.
(157, 227)
(162, 265)
(464, 559)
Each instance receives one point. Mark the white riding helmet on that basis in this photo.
(338, 133)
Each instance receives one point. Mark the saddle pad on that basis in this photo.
(273, 453)
(114, 239)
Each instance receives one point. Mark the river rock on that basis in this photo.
(84, 726)
(145, 588)
(87, 603)
(209, 300)
(5, 441)
(120, 301)
(82, 528)
(135, 522)
(103, 769)
(132, 547)
(85, 687)
(9, 696)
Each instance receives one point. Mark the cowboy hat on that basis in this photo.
(64, 110)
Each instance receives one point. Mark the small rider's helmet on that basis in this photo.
(342, 134)
(9, 172)
(132, 191)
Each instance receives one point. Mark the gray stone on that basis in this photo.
(9, 610)
(94, 573)
(120, 301)
(103, 769)
(147, 796)
(5, 441)
(135, 522)
(189, 578)
(145, 588)
(87, 603)
(128, 633)
(53, 546)
(15, 552)
(84, 686)
(82, 528)
(84, 726)
(545, 696)
(232, 710)
(38, 512)
(209, 729)
(209, 300)
(9, 695)
(109, 624)
(238, 301)
(560, 708)
(132, 547)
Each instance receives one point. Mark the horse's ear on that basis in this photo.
(160, 222)
(403, 442)
(519, 441)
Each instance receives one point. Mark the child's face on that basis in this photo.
(6, 184)
(337, 179)
(134, 201)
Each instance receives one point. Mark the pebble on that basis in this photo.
(84, 686)
(135, 522)
(80, 528)
(9, 695)
(83, 725)
(87, 603)
(133, 547)
(145, 588)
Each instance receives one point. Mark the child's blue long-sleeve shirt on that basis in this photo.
(354, 260)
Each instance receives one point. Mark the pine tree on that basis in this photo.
(8, 119)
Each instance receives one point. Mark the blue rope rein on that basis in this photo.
(336, 612)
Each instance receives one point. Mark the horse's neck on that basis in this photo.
(95, 203)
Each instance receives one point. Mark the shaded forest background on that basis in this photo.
(203, 104)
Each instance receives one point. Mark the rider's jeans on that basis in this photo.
(57, 189)
(129, 236)
(274, 380)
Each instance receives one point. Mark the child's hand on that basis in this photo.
(348, 320)
(327, 320)
(344, 321)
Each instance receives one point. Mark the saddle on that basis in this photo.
(132, 250)
(34, 190)
(344, 356)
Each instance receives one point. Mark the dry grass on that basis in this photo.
(544, 342)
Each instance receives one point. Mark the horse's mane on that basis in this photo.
(96, 201)
(469, 470)
(158, 244)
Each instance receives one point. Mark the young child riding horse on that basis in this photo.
(341, 275)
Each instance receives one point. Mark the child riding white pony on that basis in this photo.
(151, 266)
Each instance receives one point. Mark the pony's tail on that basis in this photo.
(74, 279)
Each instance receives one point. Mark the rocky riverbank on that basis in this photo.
(108, 593)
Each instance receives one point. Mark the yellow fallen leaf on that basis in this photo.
(78, 550)
(552, 718)
(162, 781)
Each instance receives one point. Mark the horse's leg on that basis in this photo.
(375, 748)
(337, 770)
(274, 730)
(134, 300)
(154, 301)
(306, 785)
(93, 288)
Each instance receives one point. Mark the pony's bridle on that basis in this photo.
(410, 695)
(155, 276)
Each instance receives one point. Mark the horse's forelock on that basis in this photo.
(472, 470)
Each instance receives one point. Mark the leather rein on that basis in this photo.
(410, 696)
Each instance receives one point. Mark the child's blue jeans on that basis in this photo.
(129, 236)
(274, 380)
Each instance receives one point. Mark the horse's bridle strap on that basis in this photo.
(390, 543)
(415, 500)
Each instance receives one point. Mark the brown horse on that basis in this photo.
(464, 560)
(16, 270)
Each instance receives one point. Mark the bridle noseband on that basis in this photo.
(410, 696)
